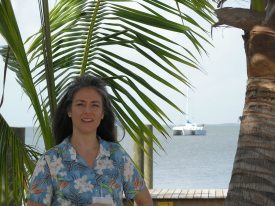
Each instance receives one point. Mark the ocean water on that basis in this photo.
(197, 162)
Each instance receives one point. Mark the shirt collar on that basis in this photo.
(69, 153)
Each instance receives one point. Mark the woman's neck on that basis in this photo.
(87, 147)
(85, 142)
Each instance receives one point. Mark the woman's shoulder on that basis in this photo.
(58, 149)
(109, 145)
(113, 147)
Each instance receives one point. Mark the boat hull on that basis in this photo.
(189, 129)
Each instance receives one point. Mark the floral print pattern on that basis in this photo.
(62, 177)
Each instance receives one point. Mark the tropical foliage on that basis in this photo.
(102, 38)
(252, 181)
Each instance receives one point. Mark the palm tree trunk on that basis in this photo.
(253, 177)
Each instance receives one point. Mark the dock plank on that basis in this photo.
(190, 194)
(205, 193)
(168, 194)
(176, 193)
(224, 191)
(212, 193)
(197, 193)
(162, 193)
(154, 192)
(219, 193)
(183, 193)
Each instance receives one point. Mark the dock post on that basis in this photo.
(138, 155)
(20, 132)
(148, 161)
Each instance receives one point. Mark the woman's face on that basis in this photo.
(86, 111)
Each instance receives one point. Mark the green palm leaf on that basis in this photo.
(125, 42)
(89, 36)
(14, 156)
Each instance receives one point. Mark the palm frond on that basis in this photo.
(9, 30)
(90, 37)
(47, 53)
(258, 5)
(17, 163)
(20, 65)
(126, 42)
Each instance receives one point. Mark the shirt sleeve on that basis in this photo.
(133, 182)
(40, 188)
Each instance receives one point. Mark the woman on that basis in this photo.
(87, 167)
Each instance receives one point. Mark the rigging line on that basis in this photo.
(5, 75)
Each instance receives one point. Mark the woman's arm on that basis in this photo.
(40, 187)
(143, 198)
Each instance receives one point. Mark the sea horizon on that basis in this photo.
(195, 162)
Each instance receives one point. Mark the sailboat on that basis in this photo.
(189, 128)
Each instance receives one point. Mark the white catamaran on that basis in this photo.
(189, 128)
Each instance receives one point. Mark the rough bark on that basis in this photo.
(239, 18)
(253, 179)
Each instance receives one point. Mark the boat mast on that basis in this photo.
(187, 106)
(187, 101)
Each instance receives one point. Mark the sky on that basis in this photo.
(217, 98)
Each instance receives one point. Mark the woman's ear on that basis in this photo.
(69, 114)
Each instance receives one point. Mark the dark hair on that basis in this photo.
(62, 124)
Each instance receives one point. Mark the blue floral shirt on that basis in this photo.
(62, 177)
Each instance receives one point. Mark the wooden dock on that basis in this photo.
(188, 197)
(188, 193)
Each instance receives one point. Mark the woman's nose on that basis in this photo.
(87, 109)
